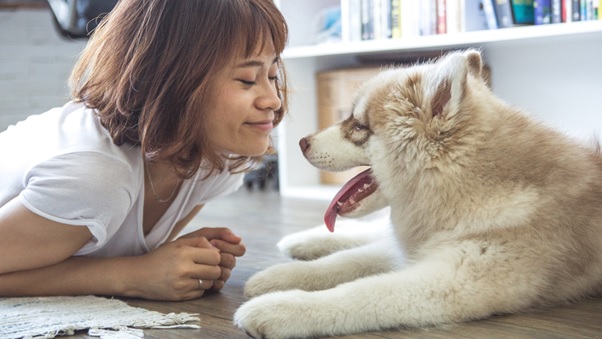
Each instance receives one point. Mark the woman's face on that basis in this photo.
(241, 111)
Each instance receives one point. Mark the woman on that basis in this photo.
(172, 102)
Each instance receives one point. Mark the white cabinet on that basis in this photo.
(552, 71)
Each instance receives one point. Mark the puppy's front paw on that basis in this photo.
(276, 315)
(315, 243)
(279, 277)
(303, 246)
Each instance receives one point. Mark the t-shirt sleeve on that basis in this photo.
(81, 189)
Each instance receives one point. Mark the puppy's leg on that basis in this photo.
(318, 242)
(327, 272)
(448, 287)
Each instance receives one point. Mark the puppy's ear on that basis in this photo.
(475, 62)
(448, 78)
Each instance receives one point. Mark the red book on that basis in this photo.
(441, 17)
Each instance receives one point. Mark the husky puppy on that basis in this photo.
(491, 212)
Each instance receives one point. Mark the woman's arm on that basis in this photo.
(36, 259)
(29, 241)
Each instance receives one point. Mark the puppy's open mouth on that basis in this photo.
(349, 196)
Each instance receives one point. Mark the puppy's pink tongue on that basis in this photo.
(330, 216)
(353, 186)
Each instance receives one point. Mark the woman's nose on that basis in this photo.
(269, 99)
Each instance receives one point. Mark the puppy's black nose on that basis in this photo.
(304, 144)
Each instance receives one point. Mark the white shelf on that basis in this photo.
(443, 41)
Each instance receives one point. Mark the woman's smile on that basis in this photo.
(265, 126)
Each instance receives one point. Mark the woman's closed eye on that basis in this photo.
(247, 82)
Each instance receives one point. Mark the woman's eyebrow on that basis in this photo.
(255, 63)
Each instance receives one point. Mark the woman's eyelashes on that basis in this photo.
(249, 82)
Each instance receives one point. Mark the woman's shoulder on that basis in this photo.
(72, 131)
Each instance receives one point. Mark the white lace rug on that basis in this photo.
(48, 317)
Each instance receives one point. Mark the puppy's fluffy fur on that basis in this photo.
(490, 212)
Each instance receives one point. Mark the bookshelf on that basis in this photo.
(552, 71)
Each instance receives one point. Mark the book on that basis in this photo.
(395, 19)
(585, 10)
(575, 10)
(410, 15)
(556, 11)
(366, 15)
(472, 16)
(565, 14)
(441, 17)
(385, 19)
(589, 10)
(542, 12)
(351, 29)
(503, 13)
(452, 16)
(427, 17)
(489, 12)
(522, 12)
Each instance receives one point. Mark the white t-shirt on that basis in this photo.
(64, 166)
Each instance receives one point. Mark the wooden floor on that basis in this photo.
(263, 217)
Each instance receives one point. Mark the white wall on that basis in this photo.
(557, 80)
(34, 64)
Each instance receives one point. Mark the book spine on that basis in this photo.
(433, 16)
(385, 15)
(409, 18)
(386, 19)
(377, 24)
(566, 11)
(522, 12)
(367, 23)
(441, 19)
(424, 18)
(345, 22)
(556, 9)
(488, 10)
(396, 19)
(503, 13)
(542, 12)
(589, 10)
(576, 10)
(452, 16)
(355, 20)
(472, 16)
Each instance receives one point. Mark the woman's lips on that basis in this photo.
(264, 126)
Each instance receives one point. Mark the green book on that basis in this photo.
(522, 12)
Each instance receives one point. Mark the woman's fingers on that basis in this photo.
(238, 249)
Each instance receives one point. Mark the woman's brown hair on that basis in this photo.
(148, 66)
